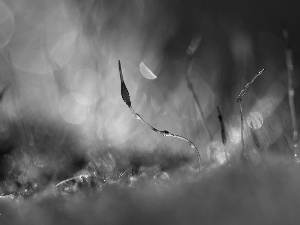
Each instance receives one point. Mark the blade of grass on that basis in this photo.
(240, 100)
(165, 133)
(223, 131)
(245, 89)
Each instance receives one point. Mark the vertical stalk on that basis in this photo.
(196, 100)
(291, 91)
(240, 100)
(242, 128)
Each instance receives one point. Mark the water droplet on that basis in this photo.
(146, 72)
(163, 176)
(25, 192)
(84, 173)
(255, 120)
(41, 160)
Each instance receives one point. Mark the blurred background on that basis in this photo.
(60, 83)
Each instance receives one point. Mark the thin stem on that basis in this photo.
(195, 42)
(291, 92)
(240, 99)
(198, 106)
(126, 98)
(242, 128)
(166, 133)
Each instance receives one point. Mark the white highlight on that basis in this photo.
(146, 72)
(234, 135)
(255, 120)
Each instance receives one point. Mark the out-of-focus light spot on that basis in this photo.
(34, 51)
(118, 130)
(41, 160)
(7, 24)
(220, 157)
(84, 86)
(81, 99)
(234, 135)
(240, 46)
(46, 15)
(64, 49)
(146, 72)
(255, 120)
(268, 104)
(216, 152)
(72, 111)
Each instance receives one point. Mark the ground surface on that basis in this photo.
(264, 193)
